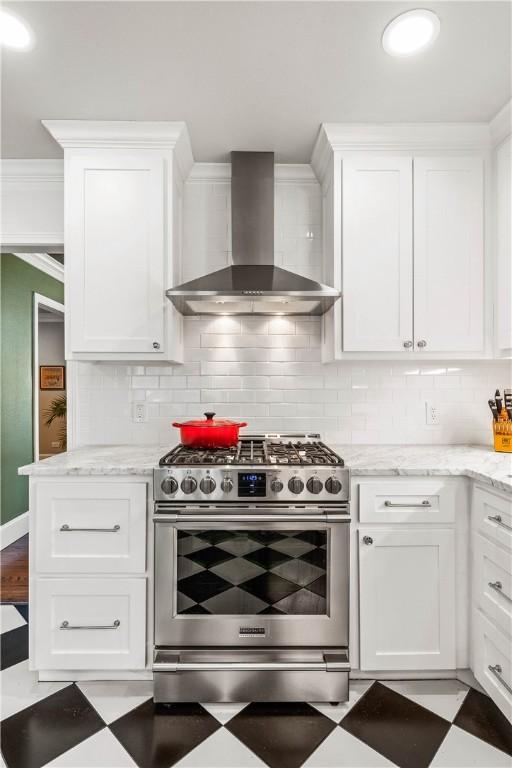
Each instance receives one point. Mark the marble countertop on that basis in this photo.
(478, 462)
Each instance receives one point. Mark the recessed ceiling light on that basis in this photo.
(411, 32)
(14, 32)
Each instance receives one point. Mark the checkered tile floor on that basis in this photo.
(115, 725)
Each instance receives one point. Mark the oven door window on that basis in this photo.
(251, 572)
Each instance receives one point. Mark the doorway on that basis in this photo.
(49, 371)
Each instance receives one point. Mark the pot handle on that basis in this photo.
(209, 415)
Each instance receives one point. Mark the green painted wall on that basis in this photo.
(19, 282)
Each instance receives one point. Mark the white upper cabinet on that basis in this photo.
(448, 254)
(503, 163)
(122, 190)
(377, 253)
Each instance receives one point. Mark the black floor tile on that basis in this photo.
(203, 585)
(283, 735)
(210, 556)
(214, 537)
(14, 646)
(267, 558)
(23, 609)
(157, 736)
(406, 733)
(316, 557)
(265, 537)
(480, 716)
(43, 731)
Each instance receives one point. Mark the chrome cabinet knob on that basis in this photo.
(407, 344)
(367, 540)
(156, 345)
(314, 485)
(276, 485)
(332, 485)
(422, 343)
(188, 485)
(295, 485)
(226, 484)
(169, 485)
(207, 484)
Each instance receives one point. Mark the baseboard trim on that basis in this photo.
(13, 530)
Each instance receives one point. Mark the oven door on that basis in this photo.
(251, 579)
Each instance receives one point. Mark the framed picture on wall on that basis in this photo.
(52, 377)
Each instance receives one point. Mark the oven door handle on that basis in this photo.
(195, 518)
(326, 665)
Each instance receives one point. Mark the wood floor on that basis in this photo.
(14, 564)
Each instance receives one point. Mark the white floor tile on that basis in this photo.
(342, 750)
(98, 751)
(20, 689)
(462, 750)
(10, 618)
(221, 750)
(224, 712)
(356, 690)
(115, 698)
(444, 697)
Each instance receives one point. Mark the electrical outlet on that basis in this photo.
(432, 413)
(140, 413)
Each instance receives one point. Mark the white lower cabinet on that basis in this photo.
(492, 662)
(90, 624)
(407, 599)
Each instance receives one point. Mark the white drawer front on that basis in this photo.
(493, 667)
(407, 501)
(90, 527)
(90, 624)
(493, 516)
(493, 582)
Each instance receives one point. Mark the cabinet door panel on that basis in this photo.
(448, 254)
(407, 599)
(115, 252)
(377, 253)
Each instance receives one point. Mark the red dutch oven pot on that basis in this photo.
(209, 433)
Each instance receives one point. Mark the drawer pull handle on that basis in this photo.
(499, 520)
(422, 504)
(498, 586)
(496, 670)
(67, 625)
(66, 529)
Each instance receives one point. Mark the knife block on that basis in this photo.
(502, 436)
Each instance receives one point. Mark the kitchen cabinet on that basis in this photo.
(122, 237)
(377, 253)
(491, 619)
(503, 296)
(406, 599)
(448, 254)
(412, 258)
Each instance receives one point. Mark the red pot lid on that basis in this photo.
(210, 422)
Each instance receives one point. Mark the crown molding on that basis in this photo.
(44, 263)
(32, 172)
(501, 125)
(221, 172)
(124, 134)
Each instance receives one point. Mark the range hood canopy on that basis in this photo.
(253, 285)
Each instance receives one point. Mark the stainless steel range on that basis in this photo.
(252, 572)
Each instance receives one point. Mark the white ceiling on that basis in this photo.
(248, 75)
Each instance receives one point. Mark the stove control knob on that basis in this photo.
(207, 484)
(314, 485)
(332, 485)
(295, 484)
(276, 485)
(188, 484)
(227, 484)
(169, 485)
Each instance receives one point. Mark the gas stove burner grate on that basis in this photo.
(254, 451)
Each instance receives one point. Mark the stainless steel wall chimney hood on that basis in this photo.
(253, 285)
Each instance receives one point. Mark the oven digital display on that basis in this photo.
(252, 484)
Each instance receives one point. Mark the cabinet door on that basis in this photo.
(407, 599)
(114, 243)
(90, 624)
(377, 253)
(448, 254)
(504, 247)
